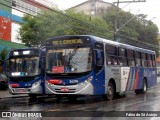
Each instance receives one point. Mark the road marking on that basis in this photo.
(54, 110)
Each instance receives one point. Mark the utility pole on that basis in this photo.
(116, 21)
(116, 16)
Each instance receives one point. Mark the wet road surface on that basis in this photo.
(82, 107)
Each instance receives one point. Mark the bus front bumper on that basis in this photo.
(86, 89)
(35, 89)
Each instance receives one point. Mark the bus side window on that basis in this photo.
(131, 58)
(149, 61)
(144, 62)
(111, 55)
(138, 59)
(153, 60)
(122, 60)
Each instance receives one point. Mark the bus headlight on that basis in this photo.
(36, 84)
(86, 81)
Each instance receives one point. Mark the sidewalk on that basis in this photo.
(6, 94)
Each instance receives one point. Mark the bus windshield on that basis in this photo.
(28, 66)
(70, 60)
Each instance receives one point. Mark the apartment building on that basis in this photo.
(11, 13)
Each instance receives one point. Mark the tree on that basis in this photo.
(3, 54)
(30, 32)
(87, 25)
(35, 30)
(135, 32)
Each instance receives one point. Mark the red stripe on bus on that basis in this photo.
(136, 80)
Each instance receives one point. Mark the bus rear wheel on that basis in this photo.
(144, 88)
(110, 92)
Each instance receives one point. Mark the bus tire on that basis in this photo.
(110, 92)
(144, 87)
(138, 91)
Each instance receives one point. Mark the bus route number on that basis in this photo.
(73, 81)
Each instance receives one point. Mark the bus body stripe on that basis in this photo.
(129, 80)
(133, 79)
(136, 80)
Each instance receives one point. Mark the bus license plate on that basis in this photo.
(64, 89)
(20, 90)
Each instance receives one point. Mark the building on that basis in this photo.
(92, 7)
(11, 13)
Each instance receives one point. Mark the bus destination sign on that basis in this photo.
(67, 42)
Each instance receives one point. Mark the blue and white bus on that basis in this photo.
(88, 65)
(26, 75)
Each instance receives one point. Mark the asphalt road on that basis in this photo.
(88, 108)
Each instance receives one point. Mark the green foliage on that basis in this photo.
(87, 25)
(35, 30)
(135, 27)
(3, 54)
(30, 32)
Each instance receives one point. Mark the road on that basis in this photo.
(89, 108)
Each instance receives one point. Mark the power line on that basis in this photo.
(90, 25)
(41, 14)
(99, 32)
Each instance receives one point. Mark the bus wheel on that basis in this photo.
(144, 88)
(137, 91)
(110, 92)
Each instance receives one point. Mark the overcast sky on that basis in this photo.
(150, 7)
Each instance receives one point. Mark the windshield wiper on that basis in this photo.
(71, 54)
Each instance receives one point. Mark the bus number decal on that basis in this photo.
(73, 81)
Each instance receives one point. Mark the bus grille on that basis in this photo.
(69, 91)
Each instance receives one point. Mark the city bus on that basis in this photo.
(88, 65)
(26, 74)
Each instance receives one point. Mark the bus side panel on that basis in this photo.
(139, 78)
(137, 75)
(131, 79)
(151, 77)
(135, 79)
(124, 77)
(99, 83)
(113, 72)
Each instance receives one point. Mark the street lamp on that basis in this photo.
(116, 21)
